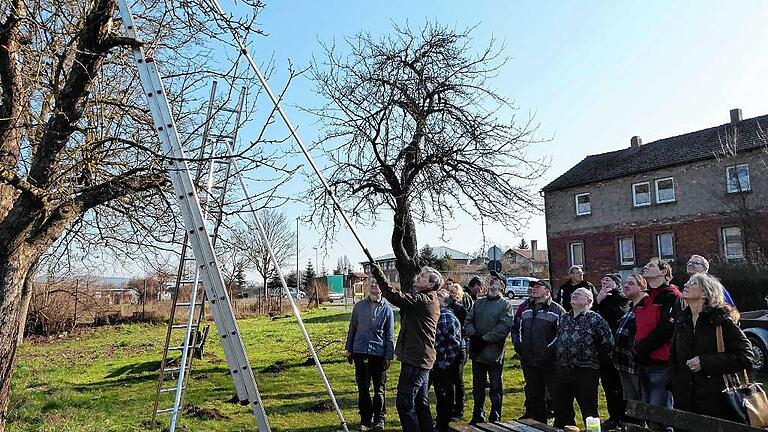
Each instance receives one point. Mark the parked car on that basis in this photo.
(517, 287)
(755, 326)
(333, 296)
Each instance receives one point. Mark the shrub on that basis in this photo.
(747, 283)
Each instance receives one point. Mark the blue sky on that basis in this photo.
(594, 73)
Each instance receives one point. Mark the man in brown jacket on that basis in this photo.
(419, 313)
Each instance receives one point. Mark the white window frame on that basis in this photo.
(634, 194)
(626, 261)
(576, 202)
(725, 243)
(571, 254)
(656, 187)
(658, 246)
(737, 188)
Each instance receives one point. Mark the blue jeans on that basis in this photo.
(413, 399)
(654, 381)
(483, 373)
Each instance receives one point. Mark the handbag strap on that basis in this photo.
(730, 380)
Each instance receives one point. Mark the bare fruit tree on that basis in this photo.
(80, 162)
(412, 125)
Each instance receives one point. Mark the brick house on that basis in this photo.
(704, 192)
(387, 262)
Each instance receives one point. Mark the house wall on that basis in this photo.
(701, 209)
(700, 188)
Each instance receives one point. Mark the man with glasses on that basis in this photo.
(574, 282)
(488, 324)
(699, 264)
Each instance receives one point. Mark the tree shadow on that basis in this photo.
(135, 368)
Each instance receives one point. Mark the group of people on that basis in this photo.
(641, 338)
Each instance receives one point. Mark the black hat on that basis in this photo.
(540, 282)
(498, 276)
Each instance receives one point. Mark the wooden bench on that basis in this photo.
(681, 420)
(511, 426)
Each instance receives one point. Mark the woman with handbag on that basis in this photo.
(697, 364)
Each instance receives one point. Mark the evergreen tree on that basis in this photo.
(309, 275)
(427, 256)
(523, 244)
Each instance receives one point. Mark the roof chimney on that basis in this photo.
(735, 115)
(534, 244)
(636, 142)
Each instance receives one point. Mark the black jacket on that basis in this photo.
(534, 333)
(563, 297)
(612, 308)
(701, 392)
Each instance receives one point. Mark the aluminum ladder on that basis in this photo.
(212, 159)
(195, 224)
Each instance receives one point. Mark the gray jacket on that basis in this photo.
(535, 332)
(491, 320)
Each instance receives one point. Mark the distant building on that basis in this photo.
(387, 262)
(698, 193)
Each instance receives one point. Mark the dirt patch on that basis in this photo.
(205, 413)
(321, 407)
(276, 367)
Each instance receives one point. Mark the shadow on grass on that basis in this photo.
(137, 379)
(325, 319)
(135, 368)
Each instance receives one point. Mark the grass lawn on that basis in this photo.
(104, 379)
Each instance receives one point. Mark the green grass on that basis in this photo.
(104, 379)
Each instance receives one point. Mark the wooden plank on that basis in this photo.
(497, 427)
(537, 425)
(683, 420)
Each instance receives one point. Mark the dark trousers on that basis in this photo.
(483, 373)
(370, 368)
(413, 399)
(442, 379)
(570, 383)
(614, 392)
(457, 378)
(538, 392)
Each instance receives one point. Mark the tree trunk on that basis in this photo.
(405, 247)
(26, 296)
(14, 268)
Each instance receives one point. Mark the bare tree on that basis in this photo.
(280, 237)
(80, 164)
(413, 125)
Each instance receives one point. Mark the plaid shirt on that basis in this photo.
(448, 341)
(623, 356)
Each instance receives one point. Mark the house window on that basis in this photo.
(665, 245)
(626, 251)
(576, 253)
(583, 206)
(641, 194)
(737, 178)
(733, 243)
(665, 190)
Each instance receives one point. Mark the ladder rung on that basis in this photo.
(227, 109)
(180, 347)
(187, 304)
(172, 369)
(164, 410)
(170, 389)
(176, 326)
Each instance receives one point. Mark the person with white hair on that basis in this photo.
(699, 264)
(415, 347)
(584, 341)
(698, 365)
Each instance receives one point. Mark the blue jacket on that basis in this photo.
(372, 329)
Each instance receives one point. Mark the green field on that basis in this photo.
(103, 379)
